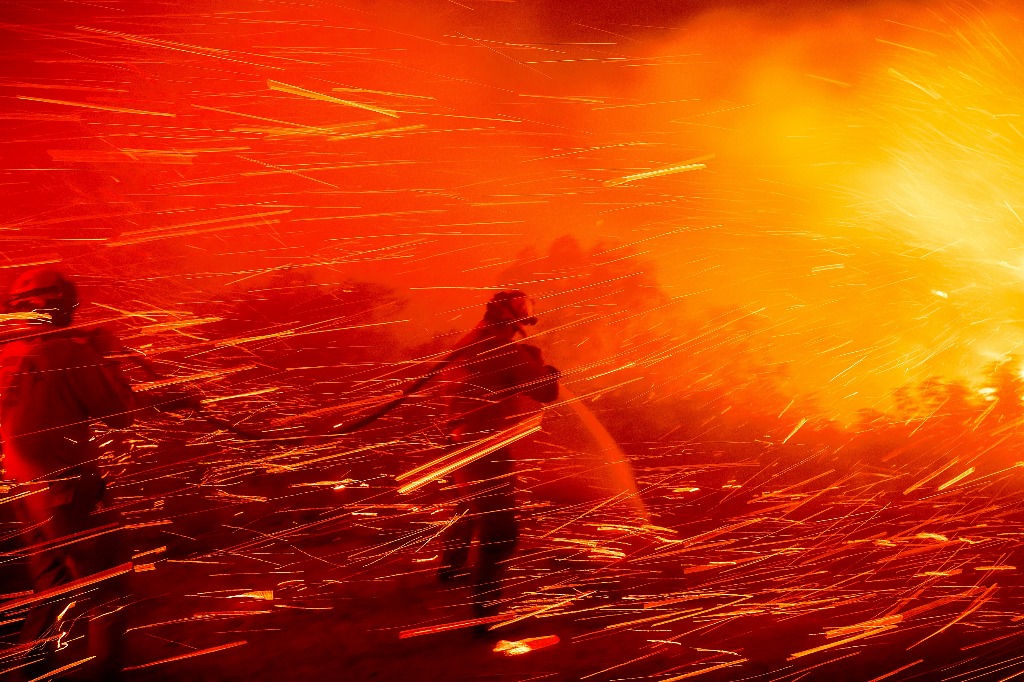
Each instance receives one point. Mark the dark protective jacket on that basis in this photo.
(494, 384)
(51, 387)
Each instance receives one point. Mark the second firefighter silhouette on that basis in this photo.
(493, 383)
(55, 382)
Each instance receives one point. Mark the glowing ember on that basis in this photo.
(524, 646)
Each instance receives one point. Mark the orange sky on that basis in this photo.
(847, 178)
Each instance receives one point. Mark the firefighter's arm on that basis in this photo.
(101, 388)
(163, 400)
(107, 394)
(540, 381)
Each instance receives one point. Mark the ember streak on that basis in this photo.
(775, 252)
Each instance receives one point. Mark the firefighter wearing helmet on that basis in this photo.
(494, 382)
(55, 381)
(47, 293)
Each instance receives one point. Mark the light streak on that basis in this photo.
(100, 107)
(524, 646)
(703, 671)
(443, 465)
(796, 428)
(669, 170)
(383, 132)
(931, 93)
(214, 53)
(448, 627)
(61, 670)
(870, 632)
(302, 92)
(161, 383)
(258, 219)
(310, 129)
(931, 476)
(182, 657)
(539, 611)
(66, 587)
(896, 671)
(64, 540)
(382, 92)
(974, 606)
(956, 479)
(249, 394)
(121, 156)
(30, 264)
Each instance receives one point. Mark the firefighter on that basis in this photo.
(493, 382)
(54, 382)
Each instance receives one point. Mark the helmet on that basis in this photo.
(44, 291)
(510, 306)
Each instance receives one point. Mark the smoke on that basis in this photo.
(861, 194)
(841, 178)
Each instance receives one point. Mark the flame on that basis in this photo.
(524, 646)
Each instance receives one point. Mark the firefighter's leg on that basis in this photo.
(498, 538)
(105, 614)
(47, 568)
(107, 625)
(456, 540)
(103, 617)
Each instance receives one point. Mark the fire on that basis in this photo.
(932, 189)
(524, 646)
(877, 155)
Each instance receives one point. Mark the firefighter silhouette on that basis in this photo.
(55, 381)
(493, 382)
